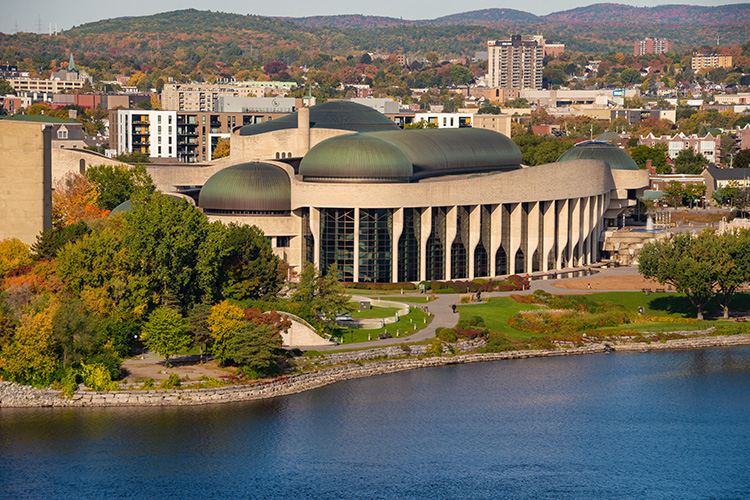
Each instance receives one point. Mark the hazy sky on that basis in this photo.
(28, 15)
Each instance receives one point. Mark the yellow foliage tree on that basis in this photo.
(13, 254)
(222, 149)
(224, 321)
(31, 358)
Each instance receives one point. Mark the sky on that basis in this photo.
(30, 15)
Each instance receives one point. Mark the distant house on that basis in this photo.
(717, 178)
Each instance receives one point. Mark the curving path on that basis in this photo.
(445, 318)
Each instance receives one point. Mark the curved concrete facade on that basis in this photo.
(466, 222)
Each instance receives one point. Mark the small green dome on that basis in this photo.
(247, 188)
(616, 158)
(356, 157)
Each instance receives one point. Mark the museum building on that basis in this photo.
(341, 184)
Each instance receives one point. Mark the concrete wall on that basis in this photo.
(25, 180)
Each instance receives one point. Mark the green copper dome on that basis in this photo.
(454, 151)
(247, 189)
(356, 157)
(341, 115)
(616, 158)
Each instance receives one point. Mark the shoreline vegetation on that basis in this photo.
(14, 395)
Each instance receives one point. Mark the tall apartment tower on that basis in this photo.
(515, 63)
(650, 46)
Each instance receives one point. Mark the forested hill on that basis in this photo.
(601, 13)
(210, 41)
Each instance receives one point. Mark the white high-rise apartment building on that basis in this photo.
(515, 63)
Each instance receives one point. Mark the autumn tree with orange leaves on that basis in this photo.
(74, 200)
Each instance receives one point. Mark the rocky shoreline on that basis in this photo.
(13, 395)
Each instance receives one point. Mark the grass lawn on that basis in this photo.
(406, 325)
(376, 312)
(496, 313)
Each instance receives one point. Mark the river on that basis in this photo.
(667, 425)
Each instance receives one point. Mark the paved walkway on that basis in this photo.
(445, 318)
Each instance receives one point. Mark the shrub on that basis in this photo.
(96, 376)
(147, 384)
(172, 382)
(498, 343)
(446, 334)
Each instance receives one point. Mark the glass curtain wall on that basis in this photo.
(337, 241)
(375, 252)
(409, 246)
(459, 264)
(435, 258)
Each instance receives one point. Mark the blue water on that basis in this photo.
(666, 425)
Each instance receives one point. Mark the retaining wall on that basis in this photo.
(16, 395)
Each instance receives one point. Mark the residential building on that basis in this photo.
(708, 145)
(743, 136)
(205, 96)
(146, 131)
(707, 60)
(650, 46)
(515, 63)
(717, 178)
(445, 120)
(498, 123)
(8, 71)
(494, 94)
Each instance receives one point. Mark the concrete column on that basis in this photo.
(575, 229)
(496, 216)
(451, 222)
(315, 230)
(356, 245)
(398, 228)
(303, 131)
(475, 234)
(562, 235)
(534, 244)
(548, 241)
(515, 238)
(424, 235)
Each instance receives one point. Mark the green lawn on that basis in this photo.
(406, 325)
(496, 313)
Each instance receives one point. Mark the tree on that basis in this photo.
(13, 254)
(686, 263)
(224, 321)
(742, 159)
(461, 75)
(75, 200)
(119, 183)
(175, 249)
(630, 75)
(732, 258)
(6, 88)
(252, 270)
(674, 193)
(255, 348)
(74, 332)
(197, 321)
(321, 296)
(688, 162)
(657, 154)
(50, 242)
(136, 157)
(165, 332)
(222, 149)
(31, 358)
(518, 103)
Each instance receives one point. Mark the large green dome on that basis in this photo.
(616, 158)
(356, 157)
(247, 189)
(340, 115)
